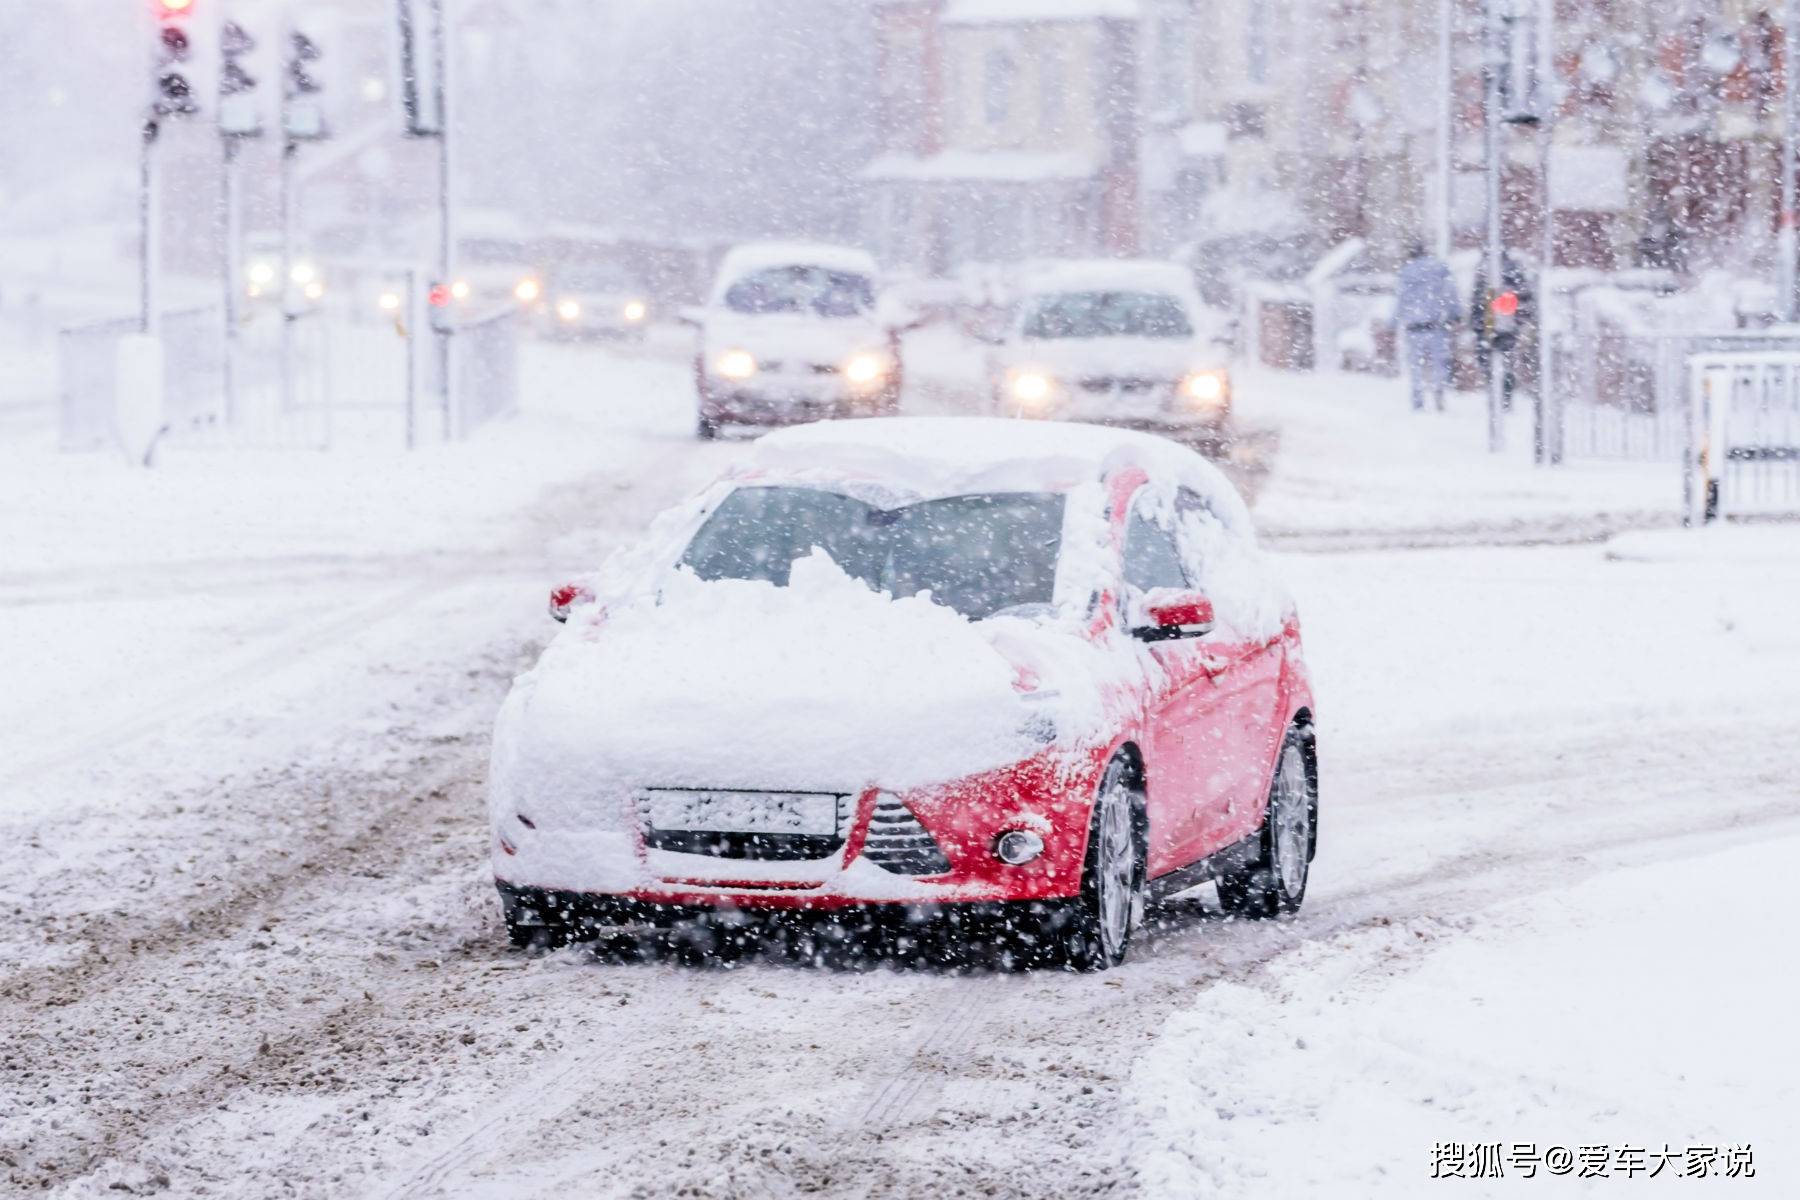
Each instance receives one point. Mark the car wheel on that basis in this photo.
(1274, 884)
(536, 937)
(706, 428)
(1093, 931)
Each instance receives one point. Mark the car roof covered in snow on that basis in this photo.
(750, 257)
(1110, 275)
(929, 457)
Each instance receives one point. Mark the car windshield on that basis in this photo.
(1107, 314)
(595, 279)
(800, 289)
(980, 555)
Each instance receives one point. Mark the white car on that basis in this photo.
(1118, 342)
(793, 333)
(595, 302)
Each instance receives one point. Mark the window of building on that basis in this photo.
(998, 73)
(1256, 44)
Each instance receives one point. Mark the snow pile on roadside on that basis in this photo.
(1336, 1070)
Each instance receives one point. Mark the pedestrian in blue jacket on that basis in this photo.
(1426, 309)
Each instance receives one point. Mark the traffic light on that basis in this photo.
(301, 51)
(237, 103)
(302, 118)
(174, 95)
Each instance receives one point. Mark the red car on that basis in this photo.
(1028, 668)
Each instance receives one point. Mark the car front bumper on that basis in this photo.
(619, 868)
(790, 400)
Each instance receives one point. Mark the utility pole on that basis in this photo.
(1492, 59)
(1446, 130)
(426, 63)
(301, 121)
(445, 328)
(1547, 429)
(238, 119)
(1787, 269)
(172, 97)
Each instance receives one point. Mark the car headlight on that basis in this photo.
(864, 369)
(635, 311)
(527, 290)
(1206, 389)
(737, 364)
(569, 310)
(1030, 388)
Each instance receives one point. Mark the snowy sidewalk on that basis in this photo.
(1355, 460)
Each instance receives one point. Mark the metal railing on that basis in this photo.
(88, 365)
(485, 365)
(1744, 436)
(1626, 395)
(357, 378)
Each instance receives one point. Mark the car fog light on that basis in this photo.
(1016, 847)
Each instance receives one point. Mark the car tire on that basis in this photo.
(1274, 883)
(534, 937)
(706, 428)
(1093, 931)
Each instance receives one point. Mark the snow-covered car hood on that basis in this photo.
(822, 685)
(1157, 358)
(791, 338)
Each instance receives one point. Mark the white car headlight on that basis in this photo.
(1030, 388)
(864, 369)
(527, 290)
(1206, 389)
(569, 310)
(737, 364)
(635, 311)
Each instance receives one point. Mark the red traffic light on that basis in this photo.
(439, 296)
(1506, 304)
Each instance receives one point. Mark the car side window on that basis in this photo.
(1152, 558)
(1198, 529)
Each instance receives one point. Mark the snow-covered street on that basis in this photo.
(255, 949)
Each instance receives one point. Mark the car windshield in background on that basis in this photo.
(595, 279)
(812, 290)
(1107, 314)
(980, 555)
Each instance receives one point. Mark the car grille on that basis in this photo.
(898, 843)
(1129, 384)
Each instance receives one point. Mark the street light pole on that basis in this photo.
(149, 231)
(1446, 127)
(1492, 58)
(1787, 270)
(443, 326)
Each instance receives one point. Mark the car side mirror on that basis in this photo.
(564, 598)
(1173, 615)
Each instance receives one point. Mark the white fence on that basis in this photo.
(88, 364)
(361, 374)
(1744, 456)
(1626, 396)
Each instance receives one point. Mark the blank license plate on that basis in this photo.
(805, 813)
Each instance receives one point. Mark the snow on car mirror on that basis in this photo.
(1169, 614)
